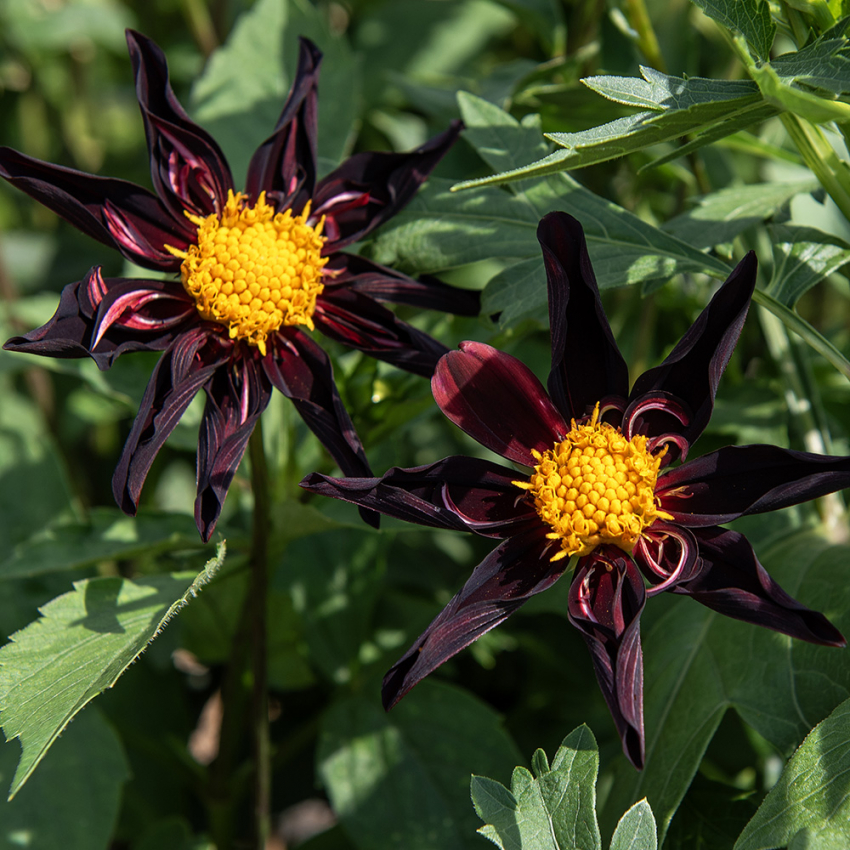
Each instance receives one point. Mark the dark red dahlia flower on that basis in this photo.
(255, 267)
(601, 495)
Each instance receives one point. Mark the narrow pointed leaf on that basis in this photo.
(80, 646)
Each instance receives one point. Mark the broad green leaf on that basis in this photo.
(499, 139)
(674, 107)
(802, 257)
(516, 293)
(400, 780)
(636, 829)
(108, 534)
(699, 663)
(241, 92)
(553, 808)
(74, 800)
(811, 795)
(723, 215)
(751, 18)
(83, 642)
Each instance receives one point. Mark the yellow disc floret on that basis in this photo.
(254, 270)
(595, 487)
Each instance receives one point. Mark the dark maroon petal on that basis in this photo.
(498, 401)
(176, 378)
(739, 480)
(299, 368)
(665, 417)
(692, 370)
(286, 162)
(104, 317)
(360, 322)
(188, 169)
(369, 188)
(460, 493)
(236, 396)
(586, 364)
(730, 580)
(508, 577)
(385, 284)
(606, 600)
(120, 214)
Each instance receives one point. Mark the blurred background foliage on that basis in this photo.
(138, 769)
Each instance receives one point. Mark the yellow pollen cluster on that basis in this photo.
(254, 270)
(595, 487)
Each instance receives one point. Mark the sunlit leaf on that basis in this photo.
(751, 18)
(636, 829)
(80, 646)
(811, 796)
(553, 808)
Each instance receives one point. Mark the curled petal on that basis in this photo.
(606, 600)
(729, 579)
(740, 480)
(370, 188)
(460, 493)
(188, 169)
(236, 396)
(662, 416)
(586, 362)
(507, 578)
(299, 368)
(285, 163)
(117, 213)
(498, 401)
(667, 554)
(384, 284)
(87, 323)
(181, 371)
(360, 322)
(692, 370)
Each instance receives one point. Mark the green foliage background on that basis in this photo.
(701, 131)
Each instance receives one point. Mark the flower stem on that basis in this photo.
(257, 603)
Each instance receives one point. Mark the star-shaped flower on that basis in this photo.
(256, 268)
(604, 493)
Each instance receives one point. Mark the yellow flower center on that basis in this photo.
(595, 487)
(254, 270)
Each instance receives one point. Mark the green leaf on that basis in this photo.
(675, 107)
(241, 92)
(83, 642)
(498, 138)
(516, 293)
(636, 829)
(803, 103)
(553, 808)
(823, 64)
(721, 216)
(108, 534)
(699, 663)
(802, 257)
(751, 18)
(400, 780)
(811, 795)
(74, 800)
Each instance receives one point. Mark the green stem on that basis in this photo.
(821, 158)
(257, 597)
(638, 17)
